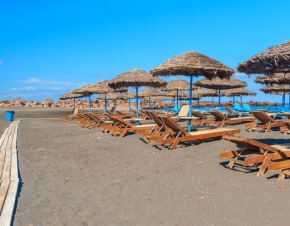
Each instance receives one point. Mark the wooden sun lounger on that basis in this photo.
(221, 119)
(202, 119)
(183, 112)
(125, 126)
(181, 135)
(254, 154)
(264, 122)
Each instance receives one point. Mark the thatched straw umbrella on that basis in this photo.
(217, 83)
(149, 92)
(238, 92)
(277, 89)
(206, 93)
(136, 78)
(274, 60)
(177, 85)
(277, 78)
(70, 95)
(192, 64)
(101, 87)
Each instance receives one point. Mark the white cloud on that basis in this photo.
(44, 81)
(1, 62)
(24, 88)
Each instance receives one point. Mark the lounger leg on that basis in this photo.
(268, 129)
(123, 133)
(264, 166)
(174, 144)
(281, 175)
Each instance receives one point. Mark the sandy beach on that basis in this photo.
(76, 176)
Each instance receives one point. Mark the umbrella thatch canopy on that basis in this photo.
(274, 59)
(218, 83)
(127, 95)
(222, 83)
(150, 92)
(192, 63)
(275, 89)
(109, 96)
(83, 90)
(177, 84)
(238, 92)
(136, 78)
(99, 88)
(277, 78)
(70, 95)
(206, 92)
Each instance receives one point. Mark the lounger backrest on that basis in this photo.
(123, 122)
(262, 117)
(219, 116)
(198, 114)
(252, 144)
(237, 107)
(177, 128)
(155, 118)
(247, 107)
(98, 118)
(183, 111)
(230, 110)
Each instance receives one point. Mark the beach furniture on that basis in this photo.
(232, 113)
(156, 133)
(283, 165)
(247, 107)
(125, 114)
(202, 119)
(263, 122)
(254, 155)
(178, 134)
(124, 126)
(237, 107)
(183, 112)
(222, 119)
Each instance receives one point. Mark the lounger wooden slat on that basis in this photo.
(183, 136)
(254, 155)
(264, 122)
(221, 119)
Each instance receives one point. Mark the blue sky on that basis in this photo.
(50, 47)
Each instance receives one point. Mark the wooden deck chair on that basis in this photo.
(156, 133)
(202, 119)
(125, 126)
(125, 114)
(183, 136)
(141, 114)
(221, 119)
(264, 122)
(183, 112)
(283, 165)
(232, 112)
(97, 121)
(254, 154)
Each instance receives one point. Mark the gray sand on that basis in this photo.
(76, 176)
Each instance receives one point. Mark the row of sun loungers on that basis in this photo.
(166, 131)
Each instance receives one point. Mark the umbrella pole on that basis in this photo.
(90, 103)
(233, 99)
(177, 100)
(198, 102)
(129, 105)
(115, 106)
(190, 105)
(212, 102)
(219, 98)
(105, 103)
(283, 102)
(74, 103)
(241, 98)
(137, 105)
(149, 103)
